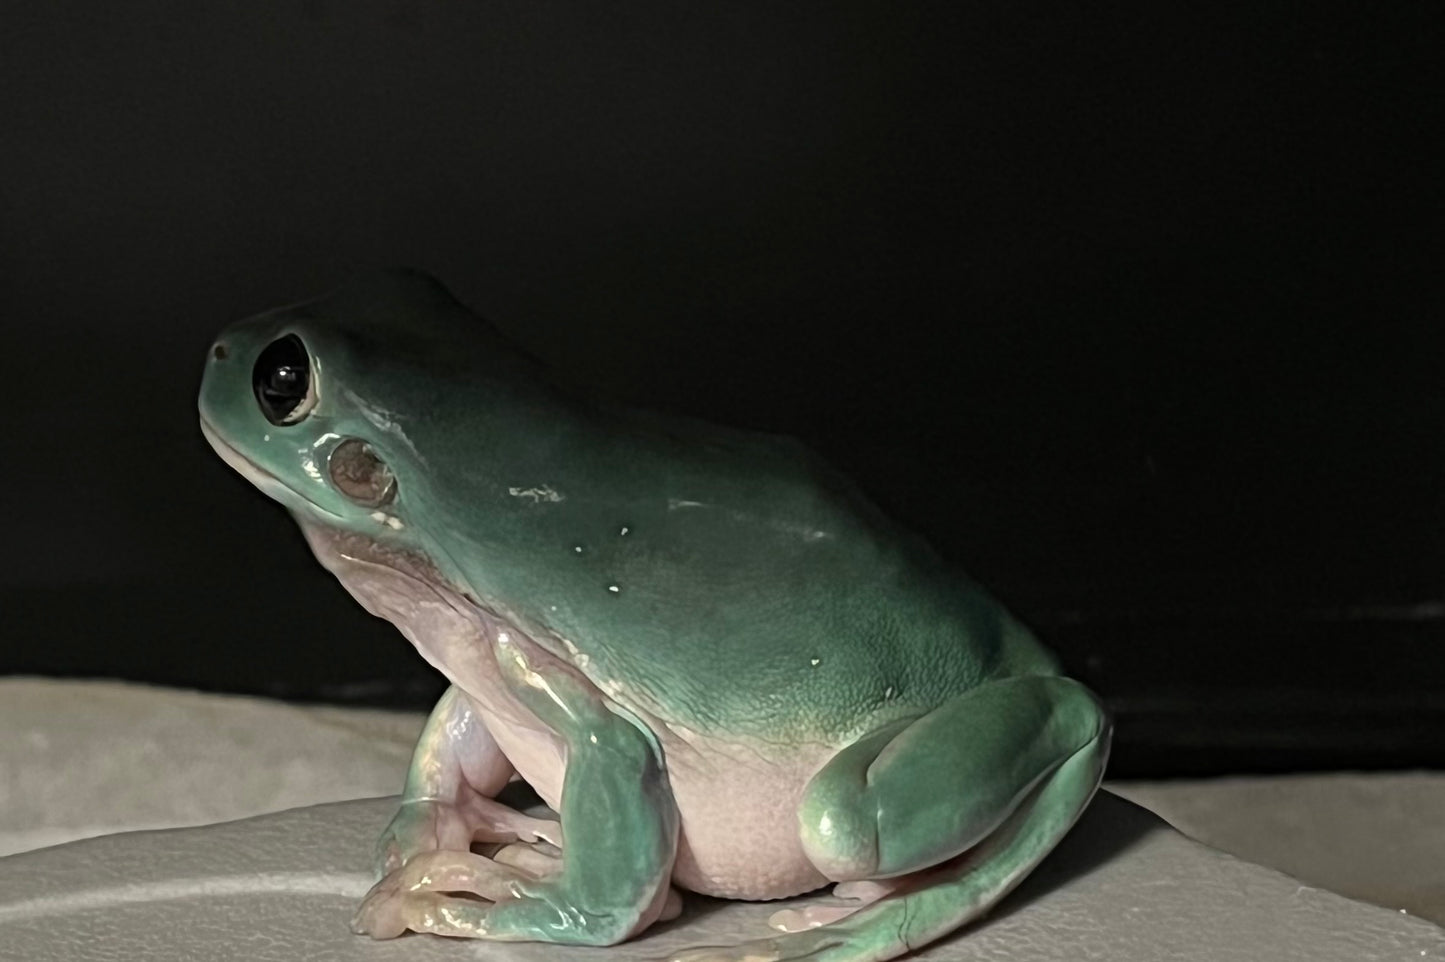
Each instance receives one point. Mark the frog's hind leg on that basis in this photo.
(957, 807)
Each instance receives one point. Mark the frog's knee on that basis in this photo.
(839, 835)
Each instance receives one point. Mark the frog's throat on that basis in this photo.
(352, 556)
(365, 566)
(399, 585)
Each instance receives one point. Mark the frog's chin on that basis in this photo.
(354, 558)
(269, 485)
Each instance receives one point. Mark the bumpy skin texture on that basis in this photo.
(715, 613)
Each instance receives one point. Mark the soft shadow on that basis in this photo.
(1109, 828)
(694, 908)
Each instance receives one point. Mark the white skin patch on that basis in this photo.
(799, 530)
(381, 517)
(538, 494)
(579, 658)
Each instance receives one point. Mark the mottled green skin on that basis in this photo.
(777, 562)
(719, 590)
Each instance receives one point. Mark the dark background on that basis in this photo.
(1132, 310)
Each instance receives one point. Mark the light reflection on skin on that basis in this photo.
(384, 421)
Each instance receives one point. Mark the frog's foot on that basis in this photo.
(415, 895)
(421, 825)
(861, 894)
(428, 825)
(542, 860)
(512, 907)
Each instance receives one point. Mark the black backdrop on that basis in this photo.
(1131, 310)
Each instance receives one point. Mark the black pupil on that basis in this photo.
(281, 377)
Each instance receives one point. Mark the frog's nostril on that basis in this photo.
(219, 352)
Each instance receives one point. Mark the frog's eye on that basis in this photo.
(282, 379)
(360, 475)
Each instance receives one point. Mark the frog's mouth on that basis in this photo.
(354, 558)
(269, 485)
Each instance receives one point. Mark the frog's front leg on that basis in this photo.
(448, 802)
(953, 808)
(621, 826)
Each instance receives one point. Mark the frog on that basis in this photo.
(721, 666)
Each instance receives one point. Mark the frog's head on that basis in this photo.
(333, 407)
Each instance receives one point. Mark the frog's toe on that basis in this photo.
(811, 917)
(537, 859)
(454, 872)
(865, 891)
(491, 821)
(380, 916)
(433, 912)
(534, 830)
(395, 904)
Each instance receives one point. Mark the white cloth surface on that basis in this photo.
(86, 758)
(1378, 837)
(1123, 887)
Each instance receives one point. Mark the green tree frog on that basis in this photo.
(723, 668)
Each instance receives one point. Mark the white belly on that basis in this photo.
(739, 829)
(737, 803)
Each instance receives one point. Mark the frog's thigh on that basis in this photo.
(912, 796)
(1001, 771)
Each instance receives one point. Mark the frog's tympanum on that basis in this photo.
(724, 669)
